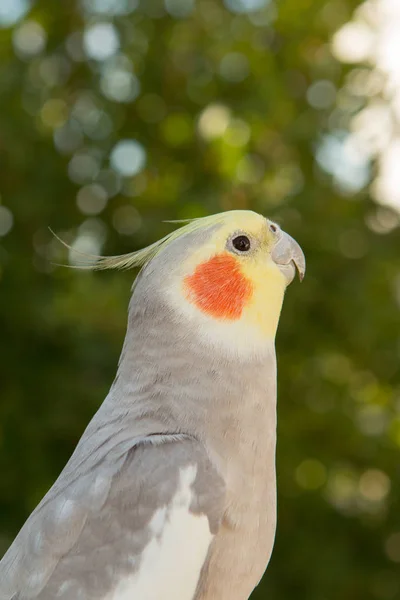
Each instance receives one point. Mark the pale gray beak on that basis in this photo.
(289, 257)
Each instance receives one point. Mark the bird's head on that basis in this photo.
(226, 274)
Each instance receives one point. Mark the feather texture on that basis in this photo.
(141, 257)
(107, 531)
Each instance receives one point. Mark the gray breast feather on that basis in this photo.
(89, 533)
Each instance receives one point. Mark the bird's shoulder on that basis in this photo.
(96, 520)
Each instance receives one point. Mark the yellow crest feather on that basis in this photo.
(141, 257)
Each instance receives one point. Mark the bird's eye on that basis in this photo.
(273, 228)
(241, 243)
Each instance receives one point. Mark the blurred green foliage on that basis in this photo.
(218, 106)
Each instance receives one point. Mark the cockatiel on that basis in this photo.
(171, 493)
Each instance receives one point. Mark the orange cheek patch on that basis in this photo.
(219, 288)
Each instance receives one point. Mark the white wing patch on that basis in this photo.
(170, 564)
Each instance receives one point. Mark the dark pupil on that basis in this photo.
(241, 243)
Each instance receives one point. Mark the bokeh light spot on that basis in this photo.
(340, 155)
(68, 138)
(134, 186)
(179, 8)
(83, 167)
(342, 490)
(335, 367)
(127, 220)
(237, 133)
(29, 39)
(54, 70)
(310, 474)
(110, 181)
(110, 7)
(91, 199)
(383, 220)
(353, 42)
(245, 6)
(11, 11)
(250, 169)
(321, 94)
(213, 121)
(94, 121)
(177, 129)
(392, 547)
(84, 249)
(374, 485)
(88, 242)
(234, 67)
(99, 127)
(119, 84)
(101, 41)
(74, 46)
(54, 113)
(386, 187)
(372, 420)
(6, 220)
(128, 157)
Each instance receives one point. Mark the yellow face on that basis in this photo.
(233, 283)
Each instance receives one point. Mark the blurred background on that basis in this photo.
(119, 114)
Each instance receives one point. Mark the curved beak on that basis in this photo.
(289, 257)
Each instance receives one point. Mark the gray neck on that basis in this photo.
(168, 381)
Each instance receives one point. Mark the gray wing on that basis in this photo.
(93, 532)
